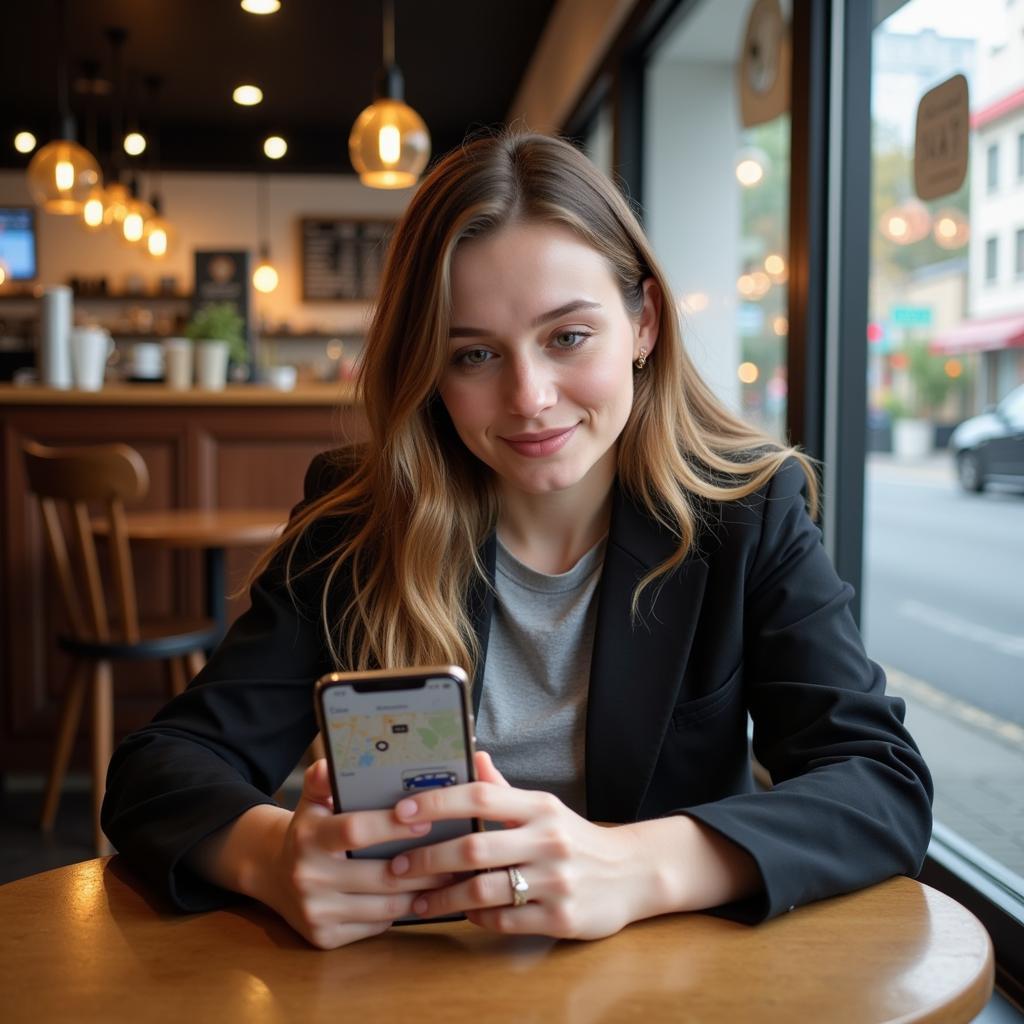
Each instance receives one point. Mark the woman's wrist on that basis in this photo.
(687, 866)
(241, 855)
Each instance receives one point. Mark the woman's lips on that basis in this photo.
(535, 446)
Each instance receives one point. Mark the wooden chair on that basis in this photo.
(67, 481)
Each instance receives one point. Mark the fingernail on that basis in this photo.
(400, 865)
(421, 828)
(419, 905)
(406, 808)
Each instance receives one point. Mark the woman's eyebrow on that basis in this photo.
(569, 307)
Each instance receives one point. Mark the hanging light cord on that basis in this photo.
(67, 121)
(389, 32)
(264, 226)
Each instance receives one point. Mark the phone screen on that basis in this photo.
(390, 743)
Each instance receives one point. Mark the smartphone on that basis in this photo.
(392, 734)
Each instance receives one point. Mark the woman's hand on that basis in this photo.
(328, 898)
(585, 881)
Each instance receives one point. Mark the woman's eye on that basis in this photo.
(473, 356)
(569, 340)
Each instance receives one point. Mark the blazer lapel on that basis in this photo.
(637, 667)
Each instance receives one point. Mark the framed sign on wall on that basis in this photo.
(342, 257)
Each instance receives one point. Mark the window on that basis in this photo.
(992, 167)
(732, 193)
(991, 259)
(939, 576)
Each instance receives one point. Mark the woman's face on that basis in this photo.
(539, 381)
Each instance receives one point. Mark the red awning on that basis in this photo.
(994, 332)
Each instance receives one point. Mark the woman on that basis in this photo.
(553, 499)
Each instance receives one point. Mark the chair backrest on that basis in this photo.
(74, 478)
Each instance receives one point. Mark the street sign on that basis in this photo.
(911, 316)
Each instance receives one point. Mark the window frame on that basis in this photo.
(829, 238)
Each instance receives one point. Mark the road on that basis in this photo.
(943, 590)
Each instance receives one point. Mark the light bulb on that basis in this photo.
(93, 211)
(747, 373)
(132, 226)
(117, 198)
(389, 144)
(135, 143)
(264, 277)
(24, 142)
(156, 242)
(261, 6)
(64, 175)
(275, 147)
(749, 172)
(247, 95)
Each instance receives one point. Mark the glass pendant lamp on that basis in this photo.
(264, 276)
(389, 144)
(62, 173)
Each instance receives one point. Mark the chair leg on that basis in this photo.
(175, 676)
(195, 661)
(74, 690)
(102, 744)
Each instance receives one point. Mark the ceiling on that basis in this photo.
(316, 61)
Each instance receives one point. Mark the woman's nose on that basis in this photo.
(531, 389)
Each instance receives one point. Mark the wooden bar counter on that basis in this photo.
(245, 447)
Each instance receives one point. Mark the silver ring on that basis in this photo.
(520, 887)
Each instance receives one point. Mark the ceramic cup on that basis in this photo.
(91, 347)
(147, 360)
(178, 363)
(282, 377)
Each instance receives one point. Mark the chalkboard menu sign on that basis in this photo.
(342, 258)
(224, 277)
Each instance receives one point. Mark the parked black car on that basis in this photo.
(990, 448)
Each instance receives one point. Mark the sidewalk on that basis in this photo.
(977, 763)
(936, 468)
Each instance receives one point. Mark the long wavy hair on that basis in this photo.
(407, 520)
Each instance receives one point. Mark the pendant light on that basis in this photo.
(157, 232)
(264, 275)
(62, 173)
(137, 214)
(91, 85)
(106, 205)
(389, 144)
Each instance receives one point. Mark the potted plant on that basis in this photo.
(217, 330)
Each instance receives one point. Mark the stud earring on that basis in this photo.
(641, 360)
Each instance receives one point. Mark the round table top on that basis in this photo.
(90, 943)
(202, 527)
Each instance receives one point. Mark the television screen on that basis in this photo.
(18, 242)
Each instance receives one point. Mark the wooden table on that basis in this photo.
(89, 943)
(210, 529)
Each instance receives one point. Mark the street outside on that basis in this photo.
(943, 612)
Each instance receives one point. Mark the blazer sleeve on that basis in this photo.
(229, 741)
(850, 803)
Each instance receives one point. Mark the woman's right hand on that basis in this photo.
(328, 898)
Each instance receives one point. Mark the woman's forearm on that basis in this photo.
(691, 866)
(237, 856)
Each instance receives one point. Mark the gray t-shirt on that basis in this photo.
(533, 709)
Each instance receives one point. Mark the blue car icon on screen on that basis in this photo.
(427, 780)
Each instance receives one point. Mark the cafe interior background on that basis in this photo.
(778, 154)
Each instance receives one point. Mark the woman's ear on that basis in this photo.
(649, 322)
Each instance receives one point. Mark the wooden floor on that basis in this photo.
(24, 850)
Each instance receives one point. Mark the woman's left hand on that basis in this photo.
(585, 881)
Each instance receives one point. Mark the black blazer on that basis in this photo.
(755, 620)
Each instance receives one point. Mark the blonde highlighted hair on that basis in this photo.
(417, 505)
